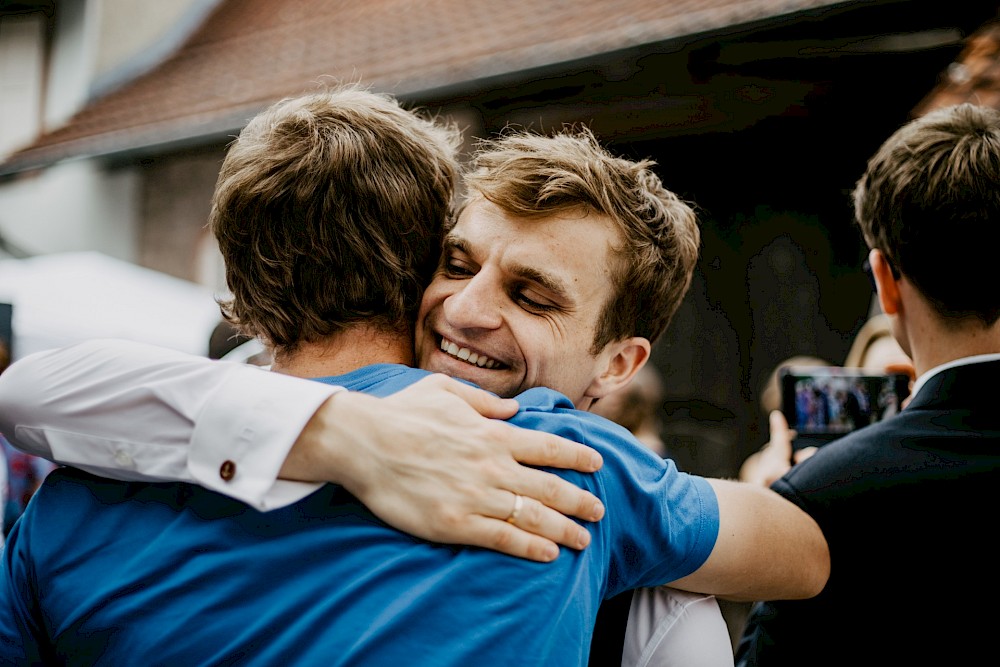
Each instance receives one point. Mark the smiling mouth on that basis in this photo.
(468, 356)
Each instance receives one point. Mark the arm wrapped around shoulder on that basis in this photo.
(768, 548)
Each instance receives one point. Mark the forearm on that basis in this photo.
(767, 549)
(133, 411)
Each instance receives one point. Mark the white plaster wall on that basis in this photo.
(73, 206)
(22, 39)
(78, 205)
(71, 66)
(127, 28)
(97, 45)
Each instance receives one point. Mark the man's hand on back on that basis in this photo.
(434, 461)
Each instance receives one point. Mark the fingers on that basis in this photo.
(498, 535)
(543, 449)
(516, 511)
(481, 401)
(775, 458)
(469, 470)
(781, 437)
(537, 519)
(515, 525)
(555, 494)
(533, 533)
(805, 453)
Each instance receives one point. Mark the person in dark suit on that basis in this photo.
(855, 408)
(904, 503)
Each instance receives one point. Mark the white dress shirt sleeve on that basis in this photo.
(133, 411)
(3, 491)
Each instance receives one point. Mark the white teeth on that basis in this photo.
(465, 354)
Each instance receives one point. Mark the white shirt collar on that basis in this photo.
(964, 361)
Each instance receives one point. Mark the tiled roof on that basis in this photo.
(249, 53)
(973, 77)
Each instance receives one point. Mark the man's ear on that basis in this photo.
(624, 358)
(886, 283)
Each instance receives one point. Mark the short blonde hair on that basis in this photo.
(929, 200)
(531, 175)
(875, 328)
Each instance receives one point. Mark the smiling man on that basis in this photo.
(558, 276)
(493, 317)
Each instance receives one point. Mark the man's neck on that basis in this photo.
(948, 345)
(933, 341)
(346, 351)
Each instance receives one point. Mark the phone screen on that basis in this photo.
(825, 402)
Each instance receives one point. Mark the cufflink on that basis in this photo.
(228, 470)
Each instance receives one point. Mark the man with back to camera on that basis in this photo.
(500, 279)
(914, 572)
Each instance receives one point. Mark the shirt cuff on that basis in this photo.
(245, 430)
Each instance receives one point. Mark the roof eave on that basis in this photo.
(129, 143)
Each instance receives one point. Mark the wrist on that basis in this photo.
(327, 449)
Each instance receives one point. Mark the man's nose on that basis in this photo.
(476, 304)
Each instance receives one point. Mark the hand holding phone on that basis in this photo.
(822, 403)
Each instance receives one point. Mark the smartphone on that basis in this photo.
(823, 403)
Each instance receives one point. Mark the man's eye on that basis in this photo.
(456, 269)
(532, 305)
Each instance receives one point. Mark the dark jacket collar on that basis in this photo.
(967, 385)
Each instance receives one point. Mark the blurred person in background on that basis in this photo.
(4, 526)
(902, 501)
(20, 473)
(638, 407)
(875, 349)
(225, 338)
(227, 343)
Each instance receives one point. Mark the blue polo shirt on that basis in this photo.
(102, 572)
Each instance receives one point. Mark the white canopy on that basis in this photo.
(65, 298)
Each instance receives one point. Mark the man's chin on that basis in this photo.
(489, 380)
